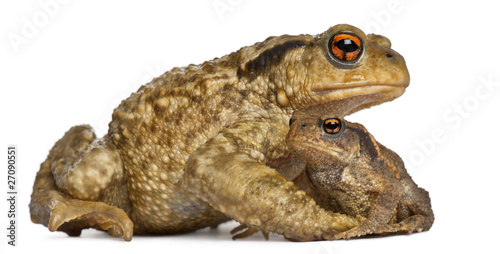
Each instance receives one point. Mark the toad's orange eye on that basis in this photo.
(345, 47)
(332, 125)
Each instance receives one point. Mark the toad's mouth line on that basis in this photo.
(354, 87)
(332, 151)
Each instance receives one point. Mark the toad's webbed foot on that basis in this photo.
(71, 216)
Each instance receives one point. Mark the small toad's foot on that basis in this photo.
(72, 216)
(248, 232)
(416, 223)
(363, 229)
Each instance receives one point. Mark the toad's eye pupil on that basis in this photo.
(346, 45)
(332, 125)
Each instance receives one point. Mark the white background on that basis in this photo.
(81, 59)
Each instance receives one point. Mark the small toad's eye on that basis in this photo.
(291, 122)
(332, 126)
(345, 47)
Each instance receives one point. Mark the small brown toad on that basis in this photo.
(189, 149)
(349, 172)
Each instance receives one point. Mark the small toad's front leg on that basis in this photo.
(229, 172)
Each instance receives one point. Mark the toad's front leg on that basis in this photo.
(229, 172)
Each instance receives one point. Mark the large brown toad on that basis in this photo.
(349, 172)
(189, 149)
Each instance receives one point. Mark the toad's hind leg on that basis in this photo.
(414, 211)
(81, 185)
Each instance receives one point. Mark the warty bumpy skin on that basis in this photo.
(189, 149)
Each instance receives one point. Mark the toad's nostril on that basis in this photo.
(389, 55)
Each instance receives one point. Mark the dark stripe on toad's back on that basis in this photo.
(269, 57)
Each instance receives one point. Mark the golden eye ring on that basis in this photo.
(345, 48)
(332, 126)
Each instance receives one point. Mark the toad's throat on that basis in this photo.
(360, 95)
(349, 99)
